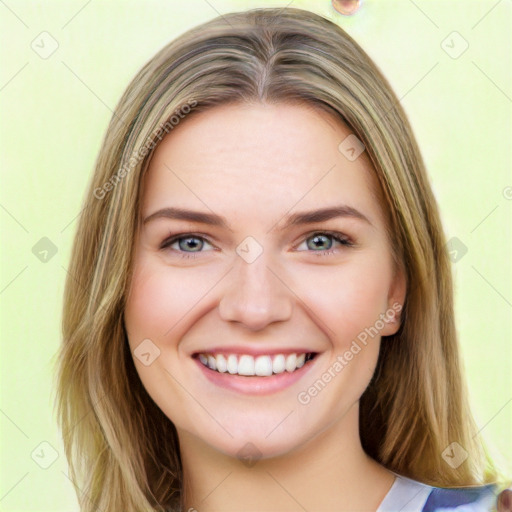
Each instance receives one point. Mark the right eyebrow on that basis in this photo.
(211, 219)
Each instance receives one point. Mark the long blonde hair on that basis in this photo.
(123, 452)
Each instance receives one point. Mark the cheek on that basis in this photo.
(347, 303)
(348, 299)
(158, 300)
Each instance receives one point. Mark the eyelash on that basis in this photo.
(339, 237)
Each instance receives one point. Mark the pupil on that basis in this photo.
(318, 239)
(190, 243)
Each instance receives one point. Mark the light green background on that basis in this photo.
(54, 113)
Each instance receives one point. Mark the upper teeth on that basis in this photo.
(262, 366)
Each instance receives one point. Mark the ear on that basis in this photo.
(396, 301)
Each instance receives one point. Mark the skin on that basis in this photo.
(255, 164)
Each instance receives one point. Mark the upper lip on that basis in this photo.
(254, 351)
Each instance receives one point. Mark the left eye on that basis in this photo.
(320, 239)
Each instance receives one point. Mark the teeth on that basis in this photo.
(246, 365)
(222, 364)
(262, 366)
(212, 362)
(279, 364)
(291, 362)
(232, 364)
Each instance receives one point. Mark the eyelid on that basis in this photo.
(333, 233)
(173, 238)
(341, 238)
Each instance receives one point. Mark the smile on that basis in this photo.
(260, 366)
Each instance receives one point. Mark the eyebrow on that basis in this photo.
(295, 219)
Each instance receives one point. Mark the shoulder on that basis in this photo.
(465, 499)
(409, 495)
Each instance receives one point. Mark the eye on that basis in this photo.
(187, 244)
(322, 240)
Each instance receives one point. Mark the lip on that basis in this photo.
(255, 385)
(254, 351)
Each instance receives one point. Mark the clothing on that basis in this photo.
(408, 495)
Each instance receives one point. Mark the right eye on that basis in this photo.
(184, 242)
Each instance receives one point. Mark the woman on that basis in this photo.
(210, 360)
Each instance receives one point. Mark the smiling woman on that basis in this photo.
(259, 315)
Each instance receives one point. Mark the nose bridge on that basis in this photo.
(255, 295)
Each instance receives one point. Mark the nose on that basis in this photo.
(255, 295)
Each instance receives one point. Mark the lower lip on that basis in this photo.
(255, 385)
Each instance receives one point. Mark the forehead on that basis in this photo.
(259, 157)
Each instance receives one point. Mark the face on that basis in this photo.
(286, 307)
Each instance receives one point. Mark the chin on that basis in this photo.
(245, 441)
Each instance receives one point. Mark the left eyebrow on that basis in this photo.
(324, 214)
(294, 219)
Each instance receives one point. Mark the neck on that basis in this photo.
(330, 471)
